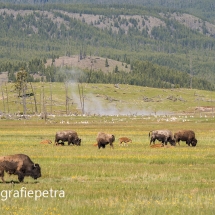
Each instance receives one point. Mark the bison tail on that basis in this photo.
(150, 133)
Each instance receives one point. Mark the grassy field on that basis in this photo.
(100, 99)
(128, 180)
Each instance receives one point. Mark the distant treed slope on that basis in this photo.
(33, 31)
(150, 75)
(201, 8)
(139, 73)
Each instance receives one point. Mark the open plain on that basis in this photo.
(133, 179)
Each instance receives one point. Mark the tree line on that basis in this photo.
(143, 73)
(23, 38)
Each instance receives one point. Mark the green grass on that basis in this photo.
(126, 180)
(105, 99)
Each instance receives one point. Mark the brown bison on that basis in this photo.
(124, 140)
(69, 136)
(185, 135)
(162, 135)
(19, 164)
(103, 139)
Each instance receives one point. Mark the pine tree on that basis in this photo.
(106, 63)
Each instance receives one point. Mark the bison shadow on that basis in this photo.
(17, 182)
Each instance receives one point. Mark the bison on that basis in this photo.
(185, 135)
(19, 164)
(124, 140)
(70, 136)
(162, 135)
(103, 139)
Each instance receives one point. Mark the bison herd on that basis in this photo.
(166, 136)
(22, 165)
(103, 139)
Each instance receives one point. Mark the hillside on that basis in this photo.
(95, 63)
(174, 39)
(71, 98)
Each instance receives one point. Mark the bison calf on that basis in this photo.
(103, 139)
(19, 164)
(46, 142)
(186, 135)
(67, 136)
(124, 140)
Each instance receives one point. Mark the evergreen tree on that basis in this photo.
(106, 63)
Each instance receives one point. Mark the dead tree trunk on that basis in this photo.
(35, 102)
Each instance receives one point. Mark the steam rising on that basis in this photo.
(93, 104)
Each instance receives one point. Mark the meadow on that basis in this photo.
(129, 180)
(102, 99)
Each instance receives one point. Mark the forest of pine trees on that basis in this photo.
(28, 40)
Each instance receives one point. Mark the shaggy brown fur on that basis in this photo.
(19, 164)
(186, 135)
(67, 136)
(103, 139)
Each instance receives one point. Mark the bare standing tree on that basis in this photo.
(67, 98)
(81, 95)
(21, 86)
(35, 102)
(191, 73)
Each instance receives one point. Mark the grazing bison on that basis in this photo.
(162, 135)
(185, 135)
(19, 164)
(70, 136)
(103, 139)
(124, 140)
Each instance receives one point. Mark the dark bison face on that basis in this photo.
(77, 142)
(35, 171)
(173, 142)
(194, 142)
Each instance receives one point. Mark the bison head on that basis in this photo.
(194, 142)
(173, 142)
(77, 142)
(35, 171)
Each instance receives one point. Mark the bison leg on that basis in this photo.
(57, 143)
(99, 145)
(111, 145)
(103, 146)
(188, 142)
(21, 177)
(2, 175)
(152, 140)
(69, 141)
(61, 143)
